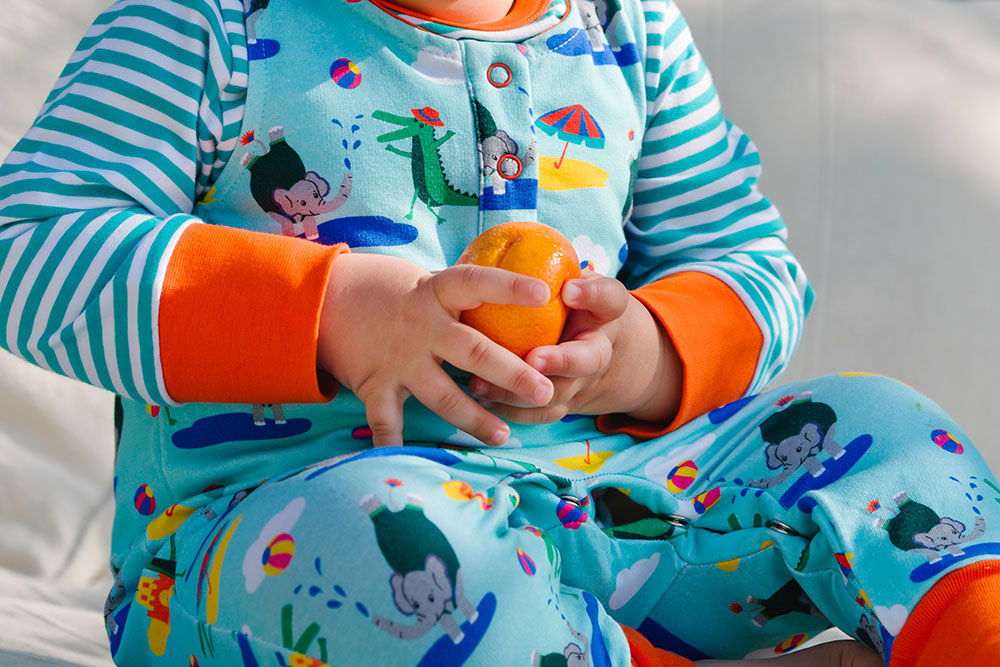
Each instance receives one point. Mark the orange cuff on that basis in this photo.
(644, 654)
(956, 623)
(717, 340)
(239, 317)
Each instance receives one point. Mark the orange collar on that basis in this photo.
(524, 12)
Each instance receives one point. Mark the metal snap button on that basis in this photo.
(781, 527)
(499, 75)
(570, 499)
(509, 166)
(677, 520)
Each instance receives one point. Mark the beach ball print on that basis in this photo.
(682, 476)
(947, 442)
(278, 554)
(527, 564)
(704, 501)
(791, 643)
(571, 515)
(145, 503)
(345, 73)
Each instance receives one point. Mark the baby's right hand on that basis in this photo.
(387, 324)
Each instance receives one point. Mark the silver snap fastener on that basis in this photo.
(677, 520)
(570, 499)
(499, 75)
(780, 527)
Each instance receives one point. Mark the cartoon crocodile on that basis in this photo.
(429, 180)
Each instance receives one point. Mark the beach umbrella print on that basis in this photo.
(572, 124)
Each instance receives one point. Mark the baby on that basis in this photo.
(238, 208)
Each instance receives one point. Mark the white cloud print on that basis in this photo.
(439, 66)
(629, 581)
(592, 253)
(281, 522)
(892, 618)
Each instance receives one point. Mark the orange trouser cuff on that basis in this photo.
(645, 654)
(956, 624)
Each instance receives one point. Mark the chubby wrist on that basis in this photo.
(660, 372)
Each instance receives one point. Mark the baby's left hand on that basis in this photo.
(613, 357)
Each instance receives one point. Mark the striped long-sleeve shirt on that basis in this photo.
(96, 208)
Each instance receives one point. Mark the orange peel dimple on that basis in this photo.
(531, 249)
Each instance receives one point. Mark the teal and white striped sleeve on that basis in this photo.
(95, 197)
(698, 215)
(105, 276)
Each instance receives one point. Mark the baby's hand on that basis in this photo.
(614, 357)
(387, 324)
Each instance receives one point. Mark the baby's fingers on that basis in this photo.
(466, 286)
(441, 395)
(604, 298)
(586, 356)
(384, 413)
(470, 350)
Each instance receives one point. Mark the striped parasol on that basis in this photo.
(572, 123)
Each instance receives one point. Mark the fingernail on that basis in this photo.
(540, 293)
(541, 395)
(571, 292)
(538, 365)
(478, 388)
(499, 437)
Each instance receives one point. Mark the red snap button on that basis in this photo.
(499, 75)
(509, 166)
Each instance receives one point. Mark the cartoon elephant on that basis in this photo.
(916, 527)
(592, 19)
(501, 163)
(427, 578)
(869, 635)
(259, 415)
(573, 655)
(288, 193)
(115, 598)
(252, 9)
(787, 599)
(797, 434)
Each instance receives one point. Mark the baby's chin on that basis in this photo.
(465, 12)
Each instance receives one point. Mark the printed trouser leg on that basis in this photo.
(838, 500)
(380, 560)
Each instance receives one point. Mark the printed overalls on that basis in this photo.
(274, 535)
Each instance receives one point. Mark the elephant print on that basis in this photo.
(259, 414)
(427, 578)
(869, 635)
(501, 163)
(916, 527)
(252, 9)
(787, 599)
(574, 654)
(287, 192)
(796, 435)
(590, 12)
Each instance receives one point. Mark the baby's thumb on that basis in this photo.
(604, 298)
